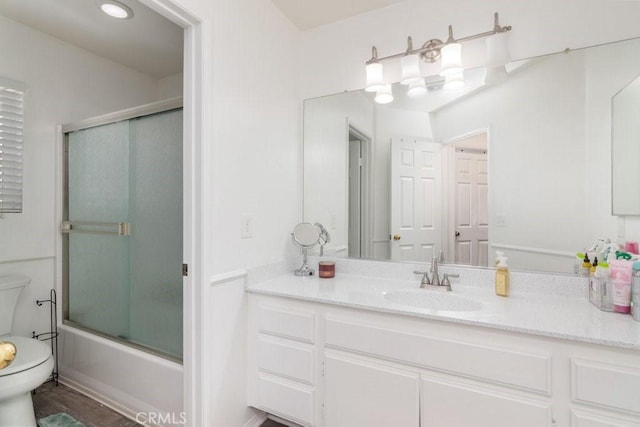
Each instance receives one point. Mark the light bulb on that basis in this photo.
(116, 9)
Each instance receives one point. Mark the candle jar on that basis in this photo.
(326, 269)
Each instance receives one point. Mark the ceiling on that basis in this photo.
(306, 14)
(148, 42)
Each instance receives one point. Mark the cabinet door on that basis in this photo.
(448, 403)
(360, 393)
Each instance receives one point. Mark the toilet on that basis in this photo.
(31, 367)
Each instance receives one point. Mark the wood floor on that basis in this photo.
(50, 399)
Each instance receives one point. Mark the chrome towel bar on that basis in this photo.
(88, 227)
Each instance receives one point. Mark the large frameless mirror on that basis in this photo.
(519, 165)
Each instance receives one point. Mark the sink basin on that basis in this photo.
(432, 300)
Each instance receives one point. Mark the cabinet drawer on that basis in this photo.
(290, 359)
(607, 385)
(523, 370)
(294, 402)
(298, 325)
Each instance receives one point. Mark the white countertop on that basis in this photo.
(563, 315)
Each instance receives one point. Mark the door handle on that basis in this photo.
(457, 234)
(396, 237)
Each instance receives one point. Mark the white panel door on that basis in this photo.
(359, 393)
(471, 214)
(415, 199)
(447, 403)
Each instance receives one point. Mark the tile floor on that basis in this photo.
(50, 399)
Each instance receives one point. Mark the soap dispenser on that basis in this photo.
(502, 275)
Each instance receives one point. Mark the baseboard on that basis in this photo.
(256, 420)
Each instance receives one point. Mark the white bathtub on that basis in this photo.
(132, 382)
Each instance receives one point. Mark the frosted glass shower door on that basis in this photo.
(98, 264)
(126, 281)
(156, 237)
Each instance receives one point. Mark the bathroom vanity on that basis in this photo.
(370, 348)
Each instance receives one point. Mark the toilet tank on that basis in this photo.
(10, 289)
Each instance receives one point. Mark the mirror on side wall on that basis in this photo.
(625, 150)
(515, 166)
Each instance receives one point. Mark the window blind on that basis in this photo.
(11, 129)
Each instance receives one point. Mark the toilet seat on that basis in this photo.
(30, 353)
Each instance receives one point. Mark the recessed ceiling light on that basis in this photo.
(115, 9)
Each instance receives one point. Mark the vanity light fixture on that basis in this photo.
(431, 51)
(115, 9)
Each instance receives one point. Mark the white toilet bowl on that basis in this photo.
(32, 366)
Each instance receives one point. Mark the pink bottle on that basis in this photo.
(621, 275)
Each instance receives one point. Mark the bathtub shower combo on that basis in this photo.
(122, 227)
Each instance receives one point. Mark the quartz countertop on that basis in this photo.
(564, 315)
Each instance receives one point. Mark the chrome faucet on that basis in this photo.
(435, 279)
(435, 282)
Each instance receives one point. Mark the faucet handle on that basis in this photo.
(425, 277)
(445, 281)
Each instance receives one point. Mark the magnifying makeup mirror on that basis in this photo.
(305, 235)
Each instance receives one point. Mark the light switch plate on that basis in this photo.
(246, 226)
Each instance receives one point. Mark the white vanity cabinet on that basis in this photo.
(360, 392)
(282, 360)
(324, 365)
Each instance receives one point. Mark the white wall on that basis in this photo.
(255, 123)
(170, 86)
(64, 84)
(326, 132)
